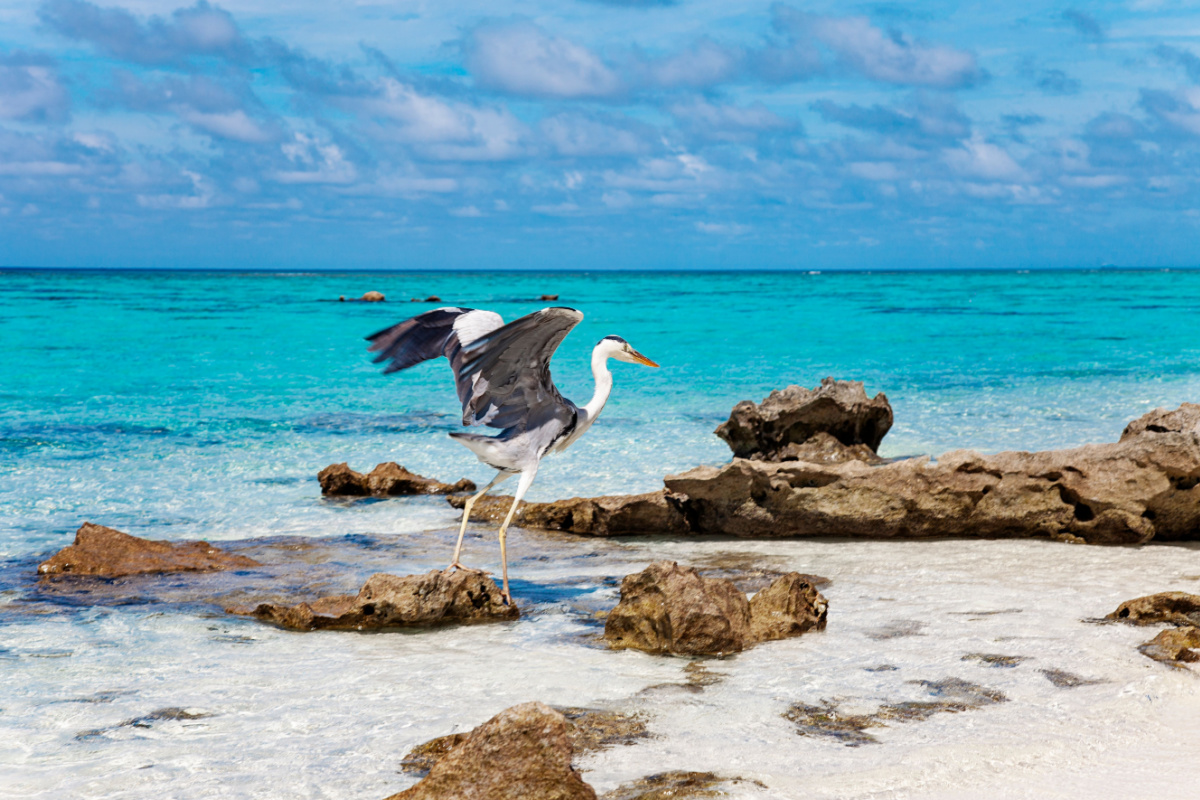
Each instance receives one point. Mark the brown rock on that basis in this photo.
(1142, 487)
(392, 480)
(677, 785)
(338, 480)
(373, 297)
(823, 448)
(388, 479)
(548, 297)
(1174, 645)
(619, 515)
(109, 553)
(795, 414)
(589, 730)
(667, 608)
(389, 601)
(521, 753)
(1175, 608)
(433, 298)
(788, 607)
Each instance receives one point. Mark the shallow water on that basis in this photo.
(202, 405)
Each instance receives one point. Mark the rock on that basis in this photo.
(390, 601)
(388, 479)
(795, 414)
(341, 298)
(589, 730)
(548, 297)
(1145, 486)
(823, 448)
(667, 608)
(618, 515)
(521, 753)
(107, 552)
(1175, 608)
(788, 607)
(372, 297)
(433, 298)
(1174, 645)
(676, 785)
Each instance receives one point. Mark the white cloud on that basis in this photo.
(522, 58)
(574, 134)
(894, 58)
(319, 162)
(30, 90)
(236, 125)
(977, 158)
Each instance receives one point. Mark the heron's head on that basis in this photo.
(621, 350)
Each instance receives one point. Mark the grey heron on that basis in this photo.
(502, 373)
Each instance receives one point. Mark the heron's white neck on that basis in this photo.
(604, 383)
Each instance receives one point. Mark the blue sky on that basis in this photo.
(590, 134)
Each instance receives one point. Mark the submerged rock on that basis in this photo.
(618, 515)
(667, 608)
(676, 785)
(107, 552)
(388, 479)
(1174, 646)
(523, 752)
(794, 415)
(389, 601)
(589, 730)
(1175, 608)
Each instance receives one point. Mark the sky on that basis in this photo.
(592, 134)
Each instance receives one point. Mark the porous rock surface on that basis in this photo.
(615, 515)
(521, 753)
(793, 416)
(667, 608)
(1175, 608)
(388, 479)
(107, 552)
(390, 601)
(1174, 646)
(1145, 486)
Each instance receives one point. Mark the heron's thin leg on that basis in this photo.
(522, 487)
(500, 476)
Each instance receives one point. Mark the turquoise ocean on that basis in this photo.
(187, 404)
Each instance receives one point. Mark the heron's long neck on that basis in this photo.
(604, 382)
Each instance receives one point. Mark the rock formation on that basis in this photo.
(618, 515)
(1174, 608)
(1174, 646)
(388, 479)
(521, 753)
(667, 608)
(372, 297)
(109, 553)
(793, 416)
(390, 601)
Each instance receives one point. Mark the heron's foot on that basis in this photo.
(507, 598)
(457, 565)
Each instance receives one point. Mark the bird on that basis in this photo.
(502, 374)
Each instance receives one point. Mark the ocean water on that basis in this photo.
(189, 405)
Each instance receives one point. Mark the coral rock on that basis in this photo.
(523, 752)
(388, 479)
(651, 513)
(390, 601)
(1174, 646)
(788, 607)
(108, 552)
(1176, 608)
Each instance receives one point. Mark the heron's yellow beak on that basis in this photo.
(641, 359)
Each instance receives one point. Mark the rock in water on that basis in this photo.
(522, 753)
(667, 608)
(373, 297)
(1174, 646)
(795, 414)
(594, 516)
(390, 601)
(788, 607)
(1176, 608)
(388, 479)
(107, 552)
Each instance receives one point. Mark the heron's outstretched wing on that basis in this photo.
(507, 371)
(441, 332)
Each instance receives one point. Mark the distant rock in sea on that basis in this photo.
(373, 297)
(107, 552)
(548, 297)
